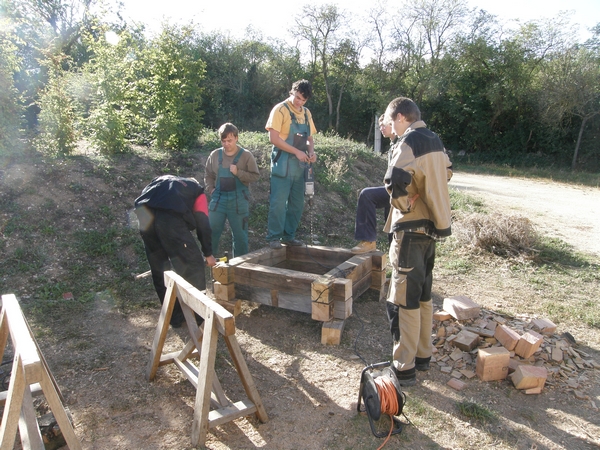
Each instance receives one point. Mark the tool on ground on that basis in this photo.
(381, 393)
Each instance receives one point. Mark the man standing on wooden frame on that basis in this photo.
(291, 131)
(417, 181)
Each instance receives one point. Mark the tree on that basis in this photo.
(571, 87)
(422, 33)
(318, 25)
(111, 107)
(172, 83)
(10, 110)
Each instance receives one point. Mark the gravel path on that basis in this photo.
(568, 212)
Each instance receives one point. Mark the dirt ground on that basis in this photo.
(563, 211)
(310, 390)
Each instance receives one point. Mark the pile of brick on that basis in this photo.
(470, 341)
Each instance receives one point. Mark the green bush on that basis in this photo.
(57, 134)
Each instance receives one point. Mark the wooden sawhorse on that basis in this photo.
(217, 320)
(29, 373)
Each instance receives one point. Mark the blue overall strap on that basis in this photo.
(235, 160)
(293, 117)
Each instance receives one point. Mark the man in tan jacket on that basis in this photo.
(417, 181)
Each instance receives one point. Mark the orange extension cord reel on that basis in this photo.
(381, 393)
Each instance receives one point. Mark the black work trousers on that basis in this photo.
(170, 245)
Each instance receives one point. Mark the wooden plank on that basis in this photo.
(234, 306)
(379, 260)
(322, 312)
(361, 286)
(528, 344)
(162, 327)
(342, 309)
(378, 278)
(19, 332)
(492, 363)
(456, 384)
(223, 292)
(327, 256)
(223, 273)
(544, 325)
(169, 358)
(208, 355)
(461, 307)
(529, 377)
(282, 280)
(342, 289)
(320, 290)
(354, 268)
(245, 377)
(4, 331)
(36, 391)
(265, 256)
(202, 304)
(14, 401)
(466, 341)
(331, 332)
(303, 266)
(273, 297)
(60, 415)
(506, 336)
(238, 409)
(31, 437)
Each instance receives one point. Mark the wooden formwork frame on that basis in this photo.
(320, 281)
(203, 343)
(30, 374)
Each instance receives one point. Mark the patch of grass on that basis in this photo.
(459, 201)
(458, 265)
(475, 411)
(96, 243)
(258, 217)
(553, 250)
(24, 259)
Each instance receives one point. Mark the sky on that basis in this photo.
(274, 18)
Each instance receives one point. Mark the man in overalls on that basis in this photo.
(291, 131)
(229, 171)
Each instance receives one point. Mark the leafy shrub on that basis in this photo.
(57, 134)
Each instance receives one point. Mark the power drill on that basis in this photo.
(309, 181)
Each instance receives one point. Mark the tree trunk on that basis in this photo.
(337, 110)
(574, 162)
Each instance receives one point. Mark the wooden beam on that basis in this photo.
(202, 304)
(284, 280)
(331, 332)
(264, 256)
(303, 266)
(327, 256)
(354, 268)
(273, 297)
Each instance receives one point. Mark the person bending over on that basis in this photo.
(167, 210)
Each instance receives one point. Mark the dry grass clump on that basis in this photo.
(508, 236)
